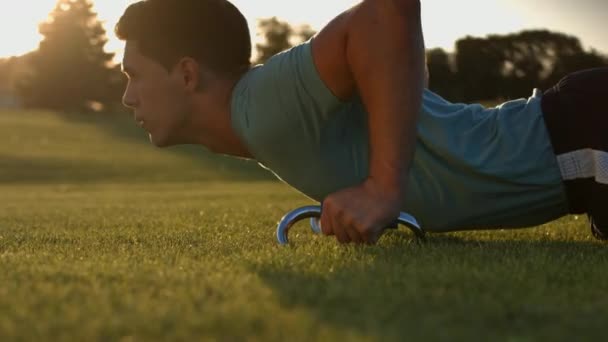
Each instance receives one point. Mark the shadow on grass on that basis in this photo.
(447, 288)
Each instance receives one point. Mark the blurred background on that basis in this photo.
(60, 82)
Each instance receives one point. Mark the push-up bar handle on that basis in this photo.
(314, 213)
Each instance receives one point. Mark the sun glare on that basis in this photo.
(19, 26)
(444, 21)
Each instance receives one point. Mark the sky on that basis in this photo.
(444, 21)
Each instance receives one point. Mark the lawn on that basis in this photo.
(104, 237)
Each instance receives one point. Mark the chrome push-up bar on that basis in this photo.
(314, 213)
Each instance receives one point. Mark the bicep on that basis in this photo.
(329, 50)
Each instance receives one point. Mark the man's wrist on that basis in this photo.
(392, 187)
(392, 174)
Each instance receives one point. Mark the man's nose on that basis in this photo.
(129, 99)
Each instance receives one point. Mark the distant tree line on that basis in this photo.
(507, 66)
(70, 70)
(279, 36)
(490, 68)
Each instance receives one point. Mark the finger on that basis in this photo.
(362, 226)
(371, 236)
(374, 235)
(339, 228)
(341, 235)
(354, 234)
(352, 228)
(325, 221)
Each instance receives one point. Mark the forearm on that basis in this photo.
(385, 53)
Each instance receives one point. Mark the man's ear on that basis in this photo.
(190, 73)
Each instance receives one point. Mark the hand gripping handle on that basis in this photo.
(314, 213)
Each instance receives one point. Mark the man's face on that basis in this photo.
(156, 96)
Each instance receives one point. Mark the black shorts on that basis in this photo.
(576, 115)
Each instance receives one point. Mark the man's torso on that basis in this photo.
(474, 167)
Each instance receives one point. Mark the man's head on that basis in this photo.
(175, 51)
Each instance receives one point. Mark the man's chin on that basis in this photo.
(160, 141)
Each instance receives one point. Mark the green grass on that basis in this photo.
(104, 237)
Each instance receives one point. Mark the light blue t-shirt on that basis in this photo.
(474, 167)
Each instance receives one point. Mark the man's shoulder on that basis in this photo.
(290, 79)
(289, 60)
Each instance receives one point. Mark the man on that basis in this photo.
(344, 118)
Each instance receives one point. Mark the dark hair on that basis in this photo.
(213, 32)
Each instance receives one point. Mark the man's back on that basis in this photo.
(474, 167)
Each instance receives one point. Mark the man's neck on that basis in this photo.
(217, 132)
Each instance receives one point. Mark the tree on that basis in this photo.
(6, 66)
(510, 66)
(70, 70)
(479, 69)
(579, 60)
(441, 73)
(279, 36)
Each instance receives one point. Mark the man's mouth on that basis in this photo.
(140, 122)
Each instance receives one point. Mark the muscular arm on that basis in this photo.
(376, 49)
